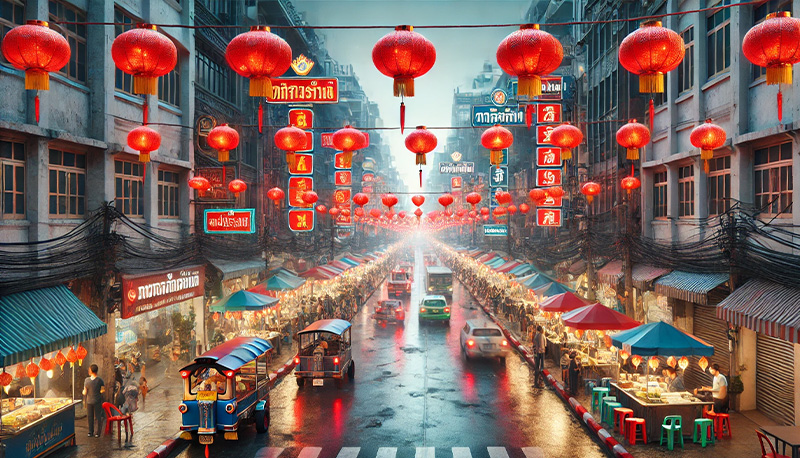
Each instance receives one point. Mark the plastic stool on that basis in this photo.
(598, 393)
(603, 408)
(620, 414)
(606, 382)
(588, 384)
(722, 426)
(632, 429)
(672, 424)
(610, 406)
(706, 428)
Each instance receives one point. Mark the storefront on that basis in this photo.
(234, 276)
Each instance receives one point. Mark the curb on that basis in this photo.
(163, 450)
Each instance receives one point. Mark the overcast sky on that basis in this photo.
(460, 54)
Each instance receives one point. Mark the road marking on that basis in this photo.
(497, 452)
(461, 452)
(533, 452)
(425, 452)
(269, 452)
(386, 452)
(310, 452)
(348, 452)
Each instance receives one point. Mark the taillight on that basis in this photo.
(398, 310)
(504, 343)
(296, 360)
(422, 310)
(182, 408)
(185, 374)
(447, 310)
(229, 374)
(470, 343)
(336, 360)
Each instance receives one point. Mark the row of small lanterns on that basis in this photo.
(46, 365)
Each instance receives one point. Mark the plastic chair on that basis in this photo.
(609, 416)
(598, 393)
(606, 382)
(620, 414)
(632, 429)
(588, 385)
(772, 453)
(722, 426)
(120, 419)
(603, 409)
(671, 424)
(705, 427)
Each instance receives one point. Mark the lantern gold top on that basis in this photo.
(651, 23)
(259, 28)
(145, 25)
(408, 28)
(529, 26)
(421, 127)
(37, 22)
(779, 14)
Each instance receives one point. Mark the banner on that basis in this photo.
(148, 292)
(304, 90)
(234, 221)
(459, 168)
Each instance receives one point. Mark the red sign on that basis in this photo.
(219, 186)
(368, 177)
(301, 117)
(343, 178)
(148, 292)
(298, 186)
(548, 177)
(303, 164)
(548, 217)
(301, 220)
(366, 189)
(551, 201)
(326, 139)
(548, 112)
(548, 156)
(552, 88)
(455, 183)
(342, 162)
(219, 221)
(304, 90)
(543, 134)
(341, 198)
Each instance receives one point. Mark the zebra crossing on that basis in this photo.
(401, 452)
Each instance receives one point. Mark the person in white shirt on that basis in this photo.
(718, 392)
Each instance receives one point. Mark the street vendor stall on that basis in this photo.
(554, 306)
(255, 314)
(38, 329)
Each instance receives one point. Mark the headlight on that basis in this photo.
(430, 288)
(230, 407)
(183, 408)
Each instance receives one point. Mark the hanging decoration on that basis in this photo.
(537, 196)
(347, 140)
(321, 209)
(590, 189)
(276, 195)
(512, 209)
(359, 211)
(310, 198)
(259, 55)
(223, 139)
(554, 192)
(236, 186)
(418, 213)
(37, 50)
(496, 139)
(46, 366)
(703, 363)
(633, 137)
(707, 136)
(215, 316)
(567, 137)
(473, 199)
(630, 183)
(624, 355)
(19, 372)
(672, 362)
(60, 359)
(360, 199)
(401, 214)
(345, 213)
(334, 212)
(524, 208)
(418, 200)
(146, 54)
(144, 140)
(5, 378)
(403, 55)
(636, 360)
(72, 356)
(445, 200)
(290, 139)
(375, 213)
(389, 200)
(81, 353)
(503, 197)
(421, 142)
(484, 211)
(683, 363)
(529, 54)
(199, 183)
(32, 371)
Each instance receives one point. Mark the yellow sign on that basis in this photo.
(302, 65)
(206, 395)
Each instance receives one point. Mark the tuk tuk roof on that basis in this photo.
(439, 270)
(335, 326)
(234, 353)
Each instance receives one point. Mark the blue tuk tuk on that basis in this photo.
(324, 352)
(226, 387)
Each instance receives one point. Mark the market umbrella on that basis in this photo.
(563, 302)
(496, 262)
(522, 269)
(277, 283)
(318, 274)
(534, 281)
(244, 301)
(598, 317)
(350, 261)
(551, 289)
(506, 268)
(341, 265)
(661, 339)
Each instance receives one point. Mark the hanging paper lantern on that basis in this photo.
(484, 211)
(683, 363)
(19, 372)
(473, 214)
(72, 356)
(345, 213)
(418, 212)
(503, 197)
(401, 214)
(276, 195)
(32, 370)
(144, 140)
(81, 354)
(473, 199)
(361, 199)
(703, 363)
(445, 200)
(199, 183)
(636, 360)
(633, 136)
(672, 362)
(418, 200)
(348, 140)
(579, 333)
(567, 137)
(334, 211)
(624, 355)
(259, 55)
(524, 208)
(390, 200)
(630, 183)
(653, 363)
(421, 142)
(5, 378)
(310, 197)
(215, 316)
(554, 192)
(359, 211)
(496, 139)
(237, 186)
(375, 213)
(290, 139)
(146, 54)
(649, 52)
(228, 315)
(499, 211)
(529, 54)
(707, 136)
(512, 209)
(60, 359)
(590, 189)
(321, 209)
(45, 364)
(537, 195)
(223, 139)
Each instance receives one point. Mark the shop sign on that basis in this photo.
(344, 233)
(39, 440)
(144, 293)
(543, 134)
(301, 220)
(219, 188)
(301, 117)
(304, 90)
(551, 201)
(548, 156)
(340, 161)
(368, 164)
(489, 115)
(499, 97)
(343, 178)
(303, 164)
(298, 186)
(548, 217)
(498, 176)
(495, 230)
(552, 88)
(548, 112)
(548, 177)
(234, 221)
(456, 167)
(455, 183)
(326, 140)
(368, 177)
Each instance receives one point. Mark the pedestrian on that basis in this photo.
(717, 393)
(574, 372)
(564, 363)
(539, 347)
(131, 395)
(93, 389)
(144, 389)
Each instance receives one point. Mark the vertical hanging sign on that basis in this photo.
(300, 216)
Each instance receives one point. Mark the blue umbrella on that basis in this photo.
(536, 280)
(244, 301)
(552, 288)
(660, 339)
(522, 269)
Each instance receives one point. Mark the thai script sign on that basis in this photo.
(301, 220)
(234, 221)
(308, 90)
(552, 88)
(548, 177)
(551, 201)
(144, 293)
(40, 439)
(297, 187)
(343, 178)
(543, 134)
(456, 167)
(548, 156)
(301, 117)
(498, 176)
(548, 112)
(495, 230)
(455, 183)
(548, 217)
(303, 164)
(489, 115)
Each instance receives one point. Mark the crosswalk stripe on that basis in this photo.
(461, 452)
(425, 452)
(497, 452)
(348, 452)
(310, 452)
(386, 452)
(533, 452)
(269, 452)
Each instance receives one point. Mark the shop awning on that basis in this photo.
(688, 286)
(496, 262)
(535, 280)
(278, 283)
(610, 273)
(506, 267)
(598, 317)
(644, 274)
(332, 269)
(318, 274)
(350, 261)
(765, 307)
(44, 320)
(341, 265)
(522, 269)
(234, 269)
(578, 267)
(564, 302)
(661, 339)
(486, 257)
(551, 289)
(244, 301)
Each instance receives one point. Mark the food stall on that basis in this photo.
(37, 416)
(554, 306)
(251, 313)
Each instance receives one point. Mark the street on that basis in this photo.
(415, 395)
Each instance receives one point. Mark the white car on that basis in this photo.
(483, 339)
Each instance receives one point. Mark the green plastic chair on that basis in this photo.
(598, 393)
(604, 406)
(704, 425)
(609, 416)
(672, 424)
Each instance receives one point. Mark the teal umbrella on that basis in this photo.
(496, 262)
(522, 269)
(535, 281)
(551, 289)
(660, 339)
(352, 262)
(277, 283)
(244, 301)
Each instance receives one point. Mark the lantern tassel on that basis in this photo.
(260, 116)
(529, 115)
(780, 105)
(420, 177)
(652, 113)
(36, 107)
(633, 154)
(402, 117)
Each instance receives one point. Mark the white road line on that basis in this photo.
(269, 452)
(310, 452)
(425, 452)
(348, 452)
(497, 452)
(386, 452)
(461, 452)
(533, 452)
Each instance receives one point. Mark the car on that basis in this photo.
(324, 353)
(399, 283)
(483, 339)
(434, 307)
(389, 311)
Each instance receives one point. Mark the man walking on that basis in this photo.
(539, 347)
(93, 388)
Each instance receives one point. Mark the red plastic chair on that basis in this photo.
(772, 454)
(722, 425)
(120, 419)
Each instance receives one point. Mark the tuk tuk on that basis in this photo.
(399, 282)
(324, 352)
(226, 387)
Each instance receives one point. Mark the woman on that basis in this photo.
(574, 373)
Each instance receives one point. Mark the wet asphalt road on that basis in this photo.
(414, 389)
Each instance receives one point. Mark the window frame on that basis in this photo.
(660, 195)
(123, 82)
(719, 179)
(686, 67)
(8, 24)
(686, 191)
(127, 180)
(778, 165)
(72, 33)
(14, 163)
(72, 174)
(724, 27)
(174, 201)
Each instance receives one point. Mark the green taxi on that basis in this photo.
(434, 307)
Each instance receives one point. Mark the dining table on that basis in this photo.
(785, 436)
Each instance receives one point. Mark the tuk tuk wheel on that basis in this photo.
(262, 420)
(351, 371)
(301, 381)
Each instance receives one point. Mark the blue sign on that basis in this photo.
(56, 430)
(498, 177)
(489, 115)
(495, 230)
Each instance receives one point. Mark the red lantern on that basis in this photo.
(567, 137)
(334, 211)
(276, 195)
(473, 214)
(484, 211)
(321, 209)
(524, 208)
(199, 183)
(630, 183)
(633, 136)
(590, 189)
(60, 359)
(45, 364)
(345, 213)
(499, 211)
(529, 54)
(636, 360)
(359, 211)
(418, 212)
(290, 139)
(390, 200)
(421, 142)
(496, 139)
(310, 197)
(146, 54)
(361, 199)
(703, 363)
(554, 192)
(259, 55)
(223, 139)
(81, 353)
(348, 140)
(445, 200)
(375, 213)
(707, 137)
(32, 370)
(72, 356)
(215, 316)
(503, 197)
(144, 140)
(512, 209)
(237, 186)
(649, 52)
(683, 363)
(19, 372)
(5, 378)
(473, 199)
(537, 195)
(672, 362)
(418, 200)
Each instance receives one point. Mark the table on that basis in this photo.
(788, 435)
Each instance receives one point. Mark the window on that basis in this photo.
(168, 202)
(128, 187)
(719, 185)
(11, 15)
(123, 81)
(686, 67)
(67, 176)
(216, 78)
(224, 11)
(773, 179)
(686, 191)
(760, 15)
(76, 37)
(660, 195)
(718, 45)
(169, 86)
(12, 175)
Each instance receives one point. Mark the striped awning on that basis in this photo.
(765, 307)
(42, 321)
(643, 274)
(506, 267)
(611, 273)
(689, 286)
(234, 269)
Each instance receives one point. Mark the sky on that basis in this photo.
(460, 54)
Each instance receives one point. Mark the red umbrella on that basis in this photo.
(598, 317)
(563, 302)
